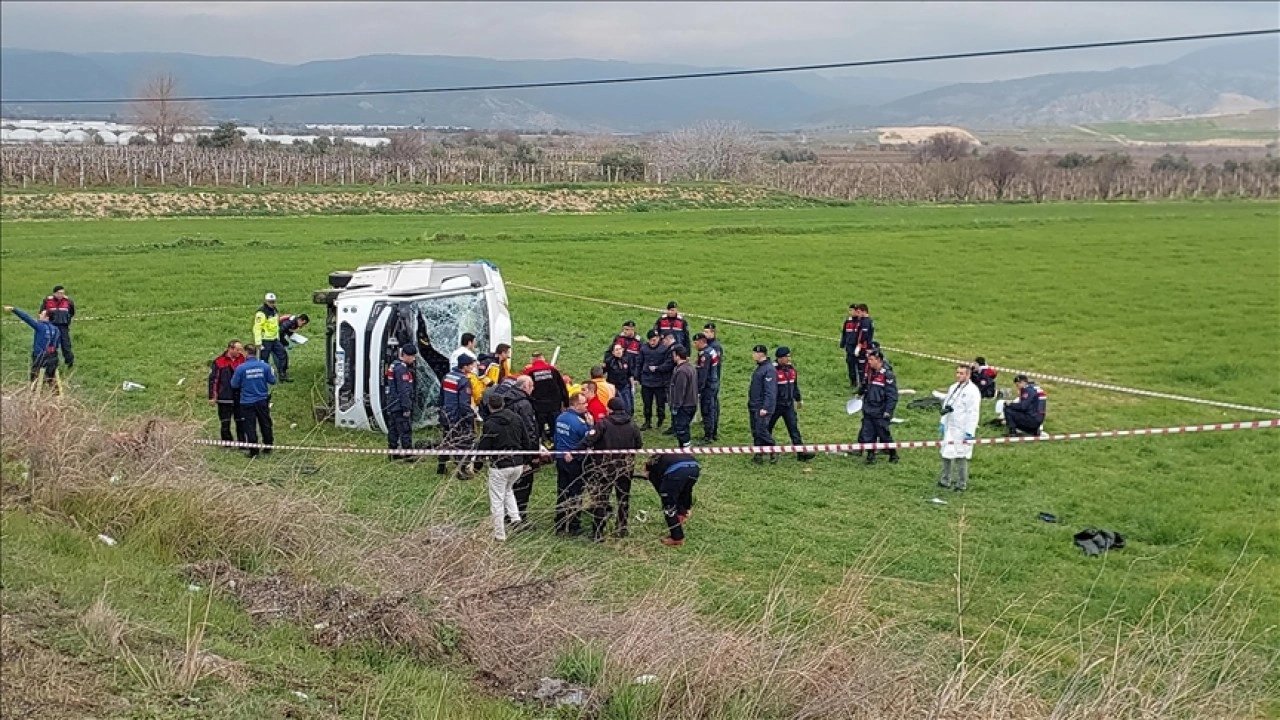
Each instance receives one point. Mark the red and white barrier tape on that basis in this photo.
(926, 356)
(777, 449)
(154, 313)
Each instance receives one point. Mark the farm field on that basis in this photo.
(1177, 298)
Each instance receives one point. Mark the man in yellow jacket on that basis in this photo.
(266, 335)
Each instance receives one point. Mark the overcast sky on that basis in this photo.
(697, 33)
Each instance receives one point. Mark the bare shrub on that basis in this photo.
(944, 147)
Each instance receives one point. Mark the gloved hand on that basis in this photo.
(942, 429)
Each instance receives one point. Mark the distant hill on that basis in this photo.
(1234, 78)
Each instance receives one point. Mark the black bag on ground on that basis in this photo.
(1096, 542)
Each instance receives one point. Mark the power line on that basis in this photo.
(677, 76)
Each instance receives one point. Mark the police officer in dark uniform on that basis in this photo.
(674, 324)
(673, 475)
(62, 310)
(789, 399)
(762, 400)
(629, 341)
(849, 343)
(399, 403)
(1026, 414)
(708, 387)
(866, 341)
(878, 405)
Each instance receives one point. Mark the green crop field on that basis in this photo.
(1178, 298)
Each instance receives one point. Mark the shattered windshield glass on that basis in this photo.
(436, 326)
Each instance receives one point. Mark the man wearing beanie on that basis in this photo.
(604, 475)
(61, 310)
(399, 403)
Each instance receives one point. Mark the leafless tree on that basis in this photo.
(157, 111)
(1038, 173)
(1107, 170)
(960, 177)
(1000, 168)
(406, 145)
(944, 147)
(711, 150)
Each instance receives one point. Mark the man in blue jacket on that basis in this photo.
(254, 379)
(44, 347)
(457, 417)
(571, 429)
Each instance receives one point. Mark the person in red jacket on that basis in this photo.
(550, 394)
(62, 310)
(222, 395)
(595, 406)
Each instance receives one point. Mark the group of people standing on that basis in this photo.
(241, 377)
(52, 328)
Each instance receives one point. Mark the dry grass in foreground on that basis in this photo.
(443, 593)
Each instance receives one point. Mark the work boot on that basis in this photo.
(871, 458)
(440, 466)
(893, 456)
(805, 457)
(773, 458)
(757, 459)
(672, 542)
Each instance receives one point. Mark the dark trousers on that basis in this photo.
(681, 419)
(603, 477)
(257, 420)
(546, 420)
(787, 413)
(710, 409)
(227, 412)
(1022, 420)
(856, 373)
(399, 432)
(275, 349)
(875, 430)
(64, 342)
(461, 435)
(47, 363)
(628, 396)
(676, 491)
(523, 489)
(761, 432)
(569, 486)
(651, 395)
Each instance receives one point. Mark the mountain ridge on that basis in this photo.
(1238, 75)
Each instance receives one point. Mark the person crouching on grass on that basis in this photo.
(673, 475)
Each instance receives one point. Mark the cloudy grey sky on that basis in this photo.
(697, 33)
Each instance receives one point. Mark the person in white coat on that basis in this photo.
(958, 425)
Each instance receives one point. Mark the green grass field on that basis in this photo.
(1260, 125)
(1180, 298)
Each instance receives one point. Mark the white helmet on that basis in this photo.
(271, 297)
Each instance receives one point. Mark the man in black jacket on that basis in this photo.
(610, 474)
(673, 475)
(674, 325)
(514, 392)
(878, 405)
(503, 431)
(762, 401)
(683, 395)
(399, 403)
(550, 395)
(655, 375)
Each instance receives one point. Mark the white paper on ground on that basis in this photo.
(298, 339)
